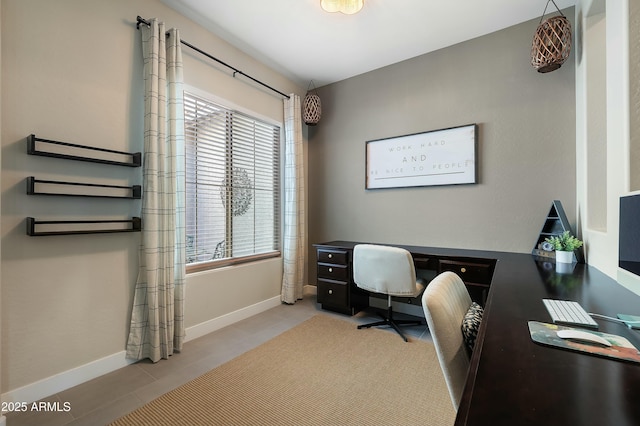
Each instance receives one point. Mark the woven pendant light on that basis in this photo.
(311, 107)
(551, 43)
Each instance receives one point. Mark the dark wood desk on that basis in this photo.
(338, 292)
(514, 381)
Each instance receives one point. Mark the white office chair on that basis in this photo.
(386, 270)
(446, 302)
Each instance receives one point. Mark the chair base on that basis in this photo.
(391, 322)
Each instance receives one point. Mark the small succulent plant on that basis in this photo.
(564, 242)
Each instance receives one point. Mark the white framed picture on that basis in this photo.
(438, 157)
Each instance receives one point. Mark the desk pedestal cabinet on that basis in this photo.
(337, 291)
(475, 274)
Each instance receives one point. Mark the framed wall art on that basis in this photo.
(438, 157)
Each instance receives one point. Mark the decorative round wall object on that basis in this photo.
(311, 109)
(551, 44)
(239, 190)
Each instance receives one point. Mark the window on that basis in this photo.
(233, 185)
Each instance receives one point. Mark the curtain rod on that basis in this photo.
(235, 70)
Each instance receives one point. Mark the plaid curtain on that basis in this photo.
(294, 204)
(157, 326)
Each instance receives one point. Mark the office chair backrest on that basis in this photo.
(384, 269)
(445, 302)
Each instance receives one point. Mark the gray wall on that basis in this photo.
(526, 147)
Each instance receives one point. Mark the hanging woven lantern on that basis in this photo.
(311, 108)
(551, 42)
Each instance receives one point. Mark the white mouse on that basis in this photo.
(583, 336)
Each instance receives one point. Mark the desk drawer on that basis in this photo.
(479, 273)
(333, 293)
(340, 257)
(333, 272)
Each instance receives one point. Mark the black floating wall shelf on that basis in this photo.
(70, 151)
(53, 187)
(75, 227)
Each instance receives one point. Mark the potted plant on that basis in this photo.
(564, 245)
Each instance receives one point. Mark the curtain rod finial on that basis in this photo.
(140, 20)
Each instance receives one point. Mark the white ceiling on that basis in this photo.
(298, 39)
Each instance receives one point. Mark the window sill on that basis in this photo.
(215, 264)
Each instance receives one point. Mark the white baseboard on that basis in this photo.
(68, 379)
(214, 324)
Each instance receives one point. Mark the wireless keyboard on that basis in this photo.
(568, 312)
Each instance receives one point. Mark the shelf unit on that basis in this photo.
(32, 223)
(555, 224)
(134, 191)
(70, 151)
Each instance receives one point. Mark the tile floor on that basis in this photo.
(108, 397)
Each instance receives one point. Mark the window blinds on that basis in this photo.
(233, 183)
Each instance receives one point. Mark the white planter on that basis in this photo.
(564, 256)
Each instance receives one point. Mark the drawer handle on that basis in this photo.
(330, 256)
(330, 291)
(330, 269)
(463, 270)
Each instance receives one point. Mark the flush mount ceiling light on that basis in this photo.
(348, 7)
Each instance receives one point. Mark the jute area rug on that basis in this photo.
(321, 372)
